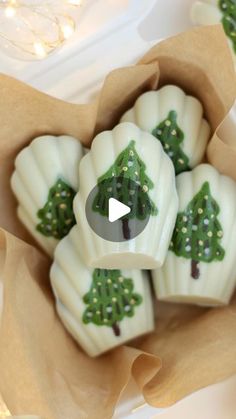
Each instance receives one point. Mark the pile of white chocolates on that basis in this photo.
(152, 162)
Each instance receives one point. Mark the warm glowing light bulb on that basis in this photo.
(67, 31)
(75, 2)
(10, 11)
(34, 29)
(40, 50)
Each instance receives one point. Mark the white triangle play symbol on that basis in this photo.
(117, 210)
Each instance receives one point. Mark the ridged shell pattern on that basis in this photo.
(213, 279)
(71, 280)
(170, 106)
(37, 168)
(211, 12)
(148, 249)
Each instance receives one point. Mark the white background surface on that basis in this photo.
(75, 74)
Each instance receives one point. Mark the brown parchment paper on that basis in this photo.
(42, 370)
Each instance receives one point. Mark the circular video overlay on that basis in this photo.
(118, 209)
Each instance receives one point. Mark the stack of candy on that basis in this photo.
(152, 163)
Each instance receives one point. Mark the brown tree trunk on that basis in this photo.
(126, 229)
(116, 329)
(195, 272)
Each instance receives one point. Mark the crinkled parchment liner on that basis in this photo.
(43, 371)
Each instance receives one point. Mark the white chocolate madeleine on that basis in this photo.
(211, 12)
(100, 308)
(131, 166)
(176, 120)
(200, 267)
(44, 182)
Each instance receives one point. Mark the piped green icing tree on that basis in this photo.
(110, 299)
(198, 231)
(171, 138)
(126, 181)
(228, 8)
(57, 217)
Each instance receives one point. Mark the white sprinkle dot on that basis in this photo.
(145, 188)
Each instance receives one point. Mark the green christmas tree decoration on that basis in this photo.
(171, 138)
(127, 182)
(110, 299)
(228, 8)
(198, 231)
(57, 217)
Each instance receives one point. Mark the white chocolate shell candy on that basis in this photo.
(200, 267)
(210, 12)
(175, 119)
(45, 182)
(100, 308)
(129, 165)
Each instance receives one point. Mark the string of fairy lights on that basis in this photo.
(34, 29)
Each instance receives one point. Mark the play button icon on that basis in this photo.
(117, 210)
